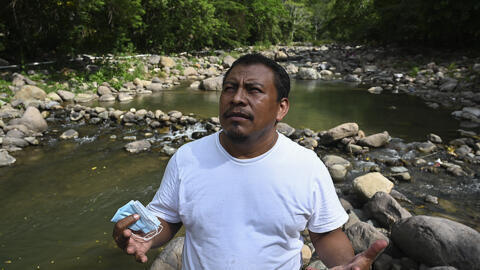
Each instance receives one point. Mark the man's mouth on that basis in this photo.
(238, 115)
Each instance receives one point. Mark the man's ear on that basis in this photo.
(283, 107)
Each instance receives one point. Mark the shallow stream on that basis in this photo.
(58, 198)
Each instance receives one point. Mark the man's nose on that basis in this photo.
(240, 96)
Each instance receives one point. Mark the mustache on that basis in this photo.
(237, 112)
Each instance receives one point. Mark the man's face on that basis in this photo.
(248, 103)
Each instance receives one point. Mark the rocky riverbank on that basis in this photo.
(366, 168)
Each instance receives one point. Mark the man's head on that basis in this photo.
(251, 103)
(282, 80)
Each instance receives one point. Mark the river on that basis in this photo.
(58, 198)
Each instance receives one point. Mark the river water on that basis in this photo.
(57, 200)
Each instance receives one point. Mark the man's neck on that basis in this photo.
(250, 147)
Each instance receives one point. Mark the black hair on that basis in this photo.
(281, 78)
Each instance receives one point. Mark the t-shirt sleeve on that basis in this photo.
(328, 213)
(165, 202)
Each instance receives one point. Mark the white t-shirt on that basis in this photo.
(246, 213)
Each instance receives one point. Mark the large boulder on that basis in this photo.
(30, 92)
(438, 241)
(212, 84)
(363, 235)
(385, 209)
(341, 131)
(33, 119)
(171, 256)
(307, 74)
(375, 140)
(369, 184)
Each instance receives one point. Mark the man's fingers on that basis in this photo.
(141, 258)
(372, 252)
(124, 223)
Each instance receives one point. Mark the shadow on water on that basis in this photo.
(57, 199)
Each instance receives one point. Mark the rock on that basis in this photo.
(431, 199)
(195, 85)
(476, 67)
(122, 97)
(212, 84)
(362, 235)
(307, 74)
(85, 97)
(168, 150)
(437, 241)
(281, 56)
(4, 62)
(15, 133)
(331, 160)
(66, 95)
(370, 68)
(426, 147)
(138, 146)
(33, 119)
(384, 261)
(69, 134)
(375, 140)
(154, 59)
(434, 138)
(449, 85)
(107, 98)
(338, 172)
(309, 143)
(285, 129)
(404, 176)
(375, 90)
(369, 184)
(171, 256)
(385, 209)
(103, 90)
(318, 265)
(352, 219)
(30, 92)
(155, 87)
(352, 78)
(340, 132)
(5, 158)
(291, 69)
(166, 61)
(306, 254)
(326, 75)
(398, 169)
(190, 71)
(16, 142)
(54, 96)
(228, 61)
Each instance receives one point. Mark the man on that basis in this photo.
(244, 194)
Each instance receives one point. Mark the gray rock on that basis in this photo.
(5, 158)
(104, 90)
(375, 90)
(281, 56)
(154, 59)
(398, 169)
(123, 97)
(33, 119)
(69, 134)
(285, 129)
(331, 160)
(54, 97)
(476, 67)
(29, 92)
(138, 146)
(291, 69)
(340, 132)
(369, 184)
(463, 150)
(385, 209)
(437, 241)
(449, 85)
(326, 75)
(189, 71)
(308, 142)
(212, 84)
(434, 138)
(352, 219)
(337, 172)
(228, 61)
(426, 147)
(195, 85)
(166, 61)
(352, 78)
(66, 95)
(107, 98)
(384, 261)
(15, 133)
(362, 235)
(171, 256)
(472, 110)
(375, 140)
(431, 199)
(16, 142)
(317, 264)
(307, 74)
(85, 97)
(154, 87)
(168, 150)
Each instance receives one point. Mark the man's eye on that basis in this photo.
(255, 90)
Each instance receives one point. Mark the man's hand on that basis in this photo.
(364, 260)
(131, 245)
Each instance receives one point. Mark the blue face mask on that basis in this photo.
(148, 222)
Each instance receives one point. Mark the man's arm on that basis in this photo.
(138, 248)
(333, 248)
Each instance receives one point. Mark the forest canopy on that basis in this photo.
(35, 29)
